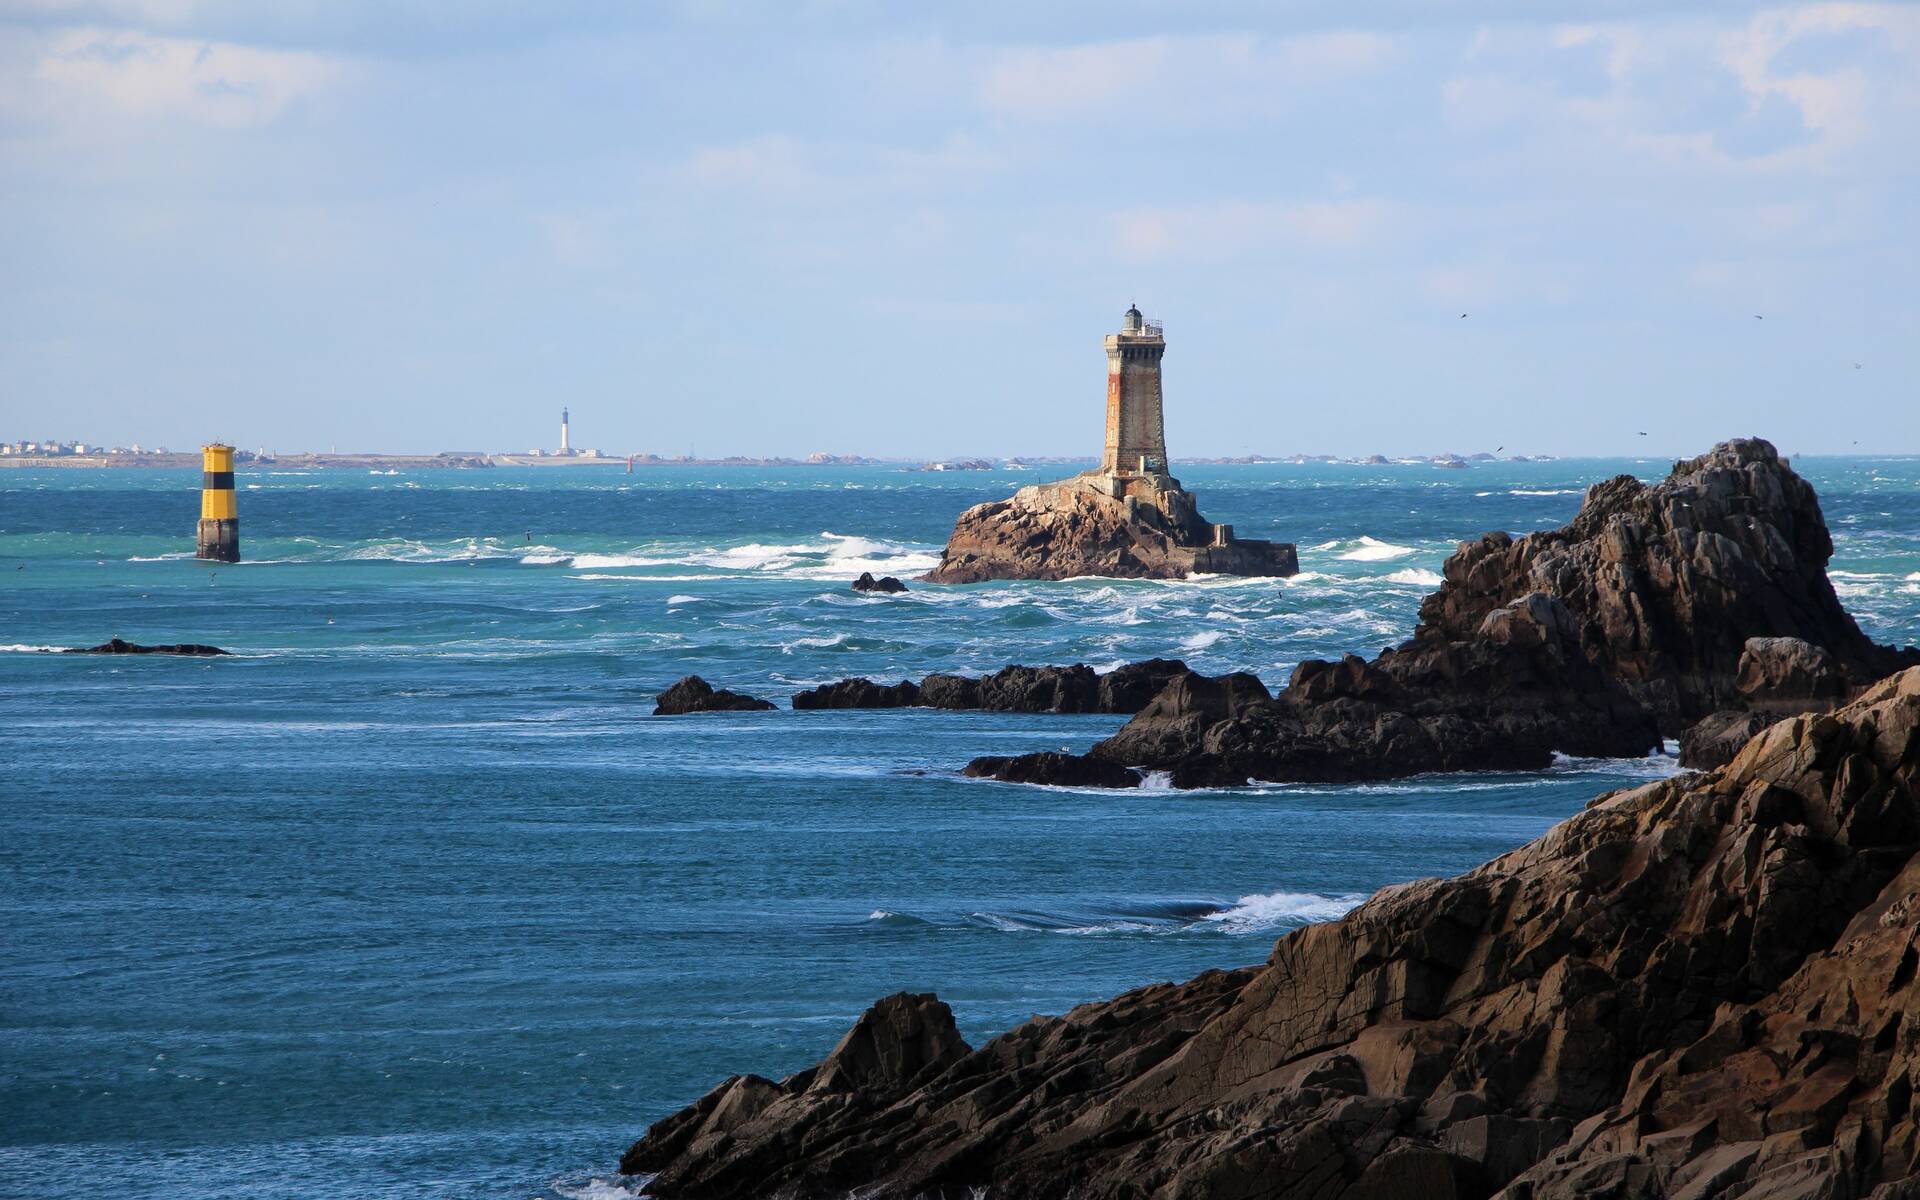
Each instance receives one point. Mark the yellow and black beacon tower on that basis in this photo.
(219, 515)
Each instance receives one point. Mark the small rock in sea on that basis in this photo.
(117, 646)
(694, 694)
(1053, 768)
(887, 583)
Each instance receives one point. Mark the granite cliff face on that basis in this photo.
(1080, 526)
(1667, 583)
(1655, 607)
(1704, 987)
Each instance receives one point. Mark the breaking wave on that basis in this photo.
(1415, 575)
(1369, 549)
(1261, 913)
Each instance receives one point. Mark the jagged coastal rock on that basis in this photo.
(1703, 987)
(1127, 518)
(1655, 607)
(1074, 689)
(117, 646)
(1080, 526)
(695, 695)
(886, 583)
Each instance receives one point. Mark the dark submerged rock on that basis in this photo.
(859, 693)
(117, 646)
(1053, 768)
(1073, 689)
(887, 583)
(1701, 987)
(695, 695)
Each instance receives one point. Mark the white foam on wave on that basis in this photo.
(1200, 641)
(24, 648)
(813, 643)
(1259, 913)
(683, 599)
(603, 1189)
(649, 578)
(161, 557)
(1414, 575)
(604, 562)
(1543, 491)
(1914, 577)
(1374, 550)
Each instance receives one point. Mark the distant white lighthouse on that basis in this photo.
(566, 444)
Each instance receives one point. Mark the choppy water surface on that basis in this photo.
(413, 898)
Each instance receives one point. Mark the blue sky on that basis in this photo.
(904, 229)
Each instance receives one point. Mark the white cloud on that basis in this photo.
(1175, 77)
(143, 76)
(1215, 232)
(1837, 104)
(1667, 86)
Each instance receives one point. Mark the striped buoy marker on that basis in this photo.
(219, 515)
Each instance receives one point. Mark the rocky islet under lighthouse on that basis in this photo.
(1126, 518)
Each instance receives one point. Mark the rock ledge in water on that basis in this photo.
(116, 646)
(887, 583)
(1074, 689)
(1701, 987)
(1123, 526)
(694, 695)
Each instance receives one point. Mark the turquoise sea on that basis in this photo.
(414, 898)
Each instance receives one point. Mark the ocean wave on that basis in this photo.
(684, 599)
(835, 556)
(1543, 491)
(25, 648)
(1416, 575)
(597, 1188)
(1200, 641)
(1260, 913)
(1275, 910)
(1371, 549)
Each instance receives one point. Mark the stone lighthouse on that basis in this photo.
(1136, 437)
(1127, 518)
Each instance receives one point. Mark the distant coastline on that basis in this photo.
(483, 460)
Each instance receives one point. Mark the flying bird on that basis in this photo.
(1498, 449)
(1758, 317)
(1463, 316)
(1643, 433)
(1857, 366)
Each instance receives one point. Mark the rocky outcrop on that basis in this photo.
(1667, 583)
(887, 583)
(1714, 739)
(1508, 699)
(695, 695)
(1120, 527)
(1654, 607)
(1052, 768)
(1074, 689)
(1789, 673)
(116, 646)
(1703, 987)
